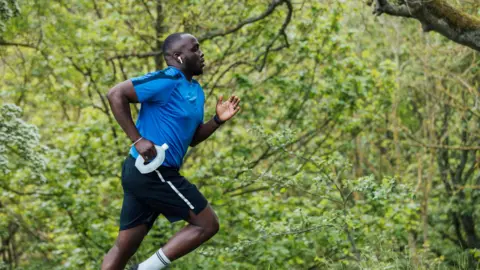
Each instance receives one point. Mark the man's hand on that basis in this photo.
(227, 109)
(146, 149)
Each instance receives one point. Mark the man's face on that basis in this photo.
(192, 55)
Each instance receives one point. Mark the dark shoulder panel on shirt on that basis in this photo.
(167, 74)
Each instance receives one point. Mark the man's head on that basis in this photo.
(182, 50)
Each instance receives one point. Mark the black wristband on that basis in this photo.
(217, 120)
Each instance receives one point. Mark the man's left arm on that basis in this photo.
(224, 112)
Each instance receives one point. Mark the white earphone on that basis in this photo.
(180, 59)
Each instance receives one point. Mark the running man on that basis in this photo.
(172, 110)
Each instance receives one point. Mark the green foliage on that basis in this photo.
(8, 9)
(347, 153)
(19, 146)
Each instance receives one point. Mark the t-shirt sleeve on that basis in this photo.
(154, 87)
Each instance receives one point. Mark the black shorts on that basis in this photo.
(148, 195)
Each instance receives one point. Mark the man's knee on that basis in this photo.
(206, 222)
(213, 227)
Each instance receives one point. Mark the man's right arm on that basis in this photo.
(120, 97)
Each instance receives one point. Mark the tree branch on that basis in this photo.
(97, 10)
(137, 55)
(249, 191)
(223, 32)
(281, 32)
(462, 148)
(438, 16)
(273, 5)
(6, 43)
(23, 193)
(382, 6)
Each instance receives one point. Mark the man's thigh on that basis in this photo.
(207, 217)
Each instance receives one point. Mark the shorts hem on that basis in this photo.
(136, 224)
(180, 217)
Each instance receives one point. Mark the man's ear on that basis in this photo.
(177, 57)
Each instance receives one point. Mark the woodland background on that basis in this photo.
(357, 146)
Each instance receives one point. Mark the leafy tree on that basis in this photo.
(355, 148)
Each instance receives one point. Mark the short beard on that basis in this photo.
(198, 72)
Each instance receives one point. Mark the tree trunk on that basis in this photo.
(159, 31)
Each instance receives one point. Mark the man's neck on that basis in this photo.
(187, 74)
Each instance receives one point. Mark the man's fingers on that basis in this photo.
(148, 151)
(150, 154)
(144, 154)
(236, 102)
(220, 100)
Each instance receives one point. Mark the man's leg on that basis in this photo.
(201, 227)
(125, 246)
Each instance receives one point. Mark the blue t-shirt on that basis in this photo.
(171, 111)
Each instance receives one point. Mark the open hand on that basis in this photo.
(227, 109)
